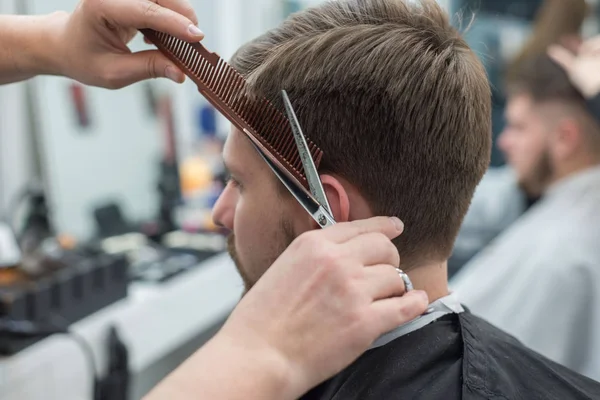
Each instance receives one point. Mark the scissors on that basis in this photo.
(315, 202)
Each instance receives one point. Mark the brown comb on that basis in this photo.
(226, 90)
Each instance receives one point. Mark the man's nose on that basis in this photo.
(503, 141)
(224, 209)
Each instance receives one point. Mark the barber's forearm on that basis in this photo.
(224, 369)
(29, 46)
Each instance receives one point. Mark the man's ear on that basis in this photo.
(337, 197)
(568, 138)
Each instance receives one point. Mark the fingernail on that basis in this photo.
(397, 223)
(194, 30)
(172, 74)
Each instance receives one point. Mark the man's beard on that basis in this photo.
(238, 264)
(540, 178)
(286, 237)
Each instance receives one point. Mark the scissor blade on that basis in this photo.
(317, 211)
(312, 176)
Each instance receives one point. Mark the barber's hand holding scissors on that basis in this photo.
(582, 65)
(330, 295)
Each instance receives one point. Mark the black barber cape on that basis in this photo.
(458, 356)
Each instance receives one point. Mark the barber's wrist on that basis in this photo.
(272, 373)
(51, 57)
(41, 52)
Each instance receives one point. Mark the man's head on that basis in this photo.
(399, 105)
(549, 133)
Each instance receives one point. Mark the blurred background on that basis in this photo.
(120, 184)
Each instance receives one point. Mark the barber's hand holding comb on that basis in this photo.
(582, 64)
(98, 32)
(90, 44)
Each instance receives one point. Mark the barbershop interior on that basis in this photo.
(114, 269)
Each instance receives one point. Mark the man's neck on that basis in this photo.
(573, 168)
(432, 278)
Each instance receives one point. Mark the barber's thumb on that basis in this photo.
(150, 64)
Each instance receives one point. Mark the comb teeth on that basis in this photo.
(226, 90)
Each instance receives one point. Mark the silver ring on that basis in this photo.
(407, 283)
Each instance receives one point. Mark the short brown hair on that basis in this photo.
(544, 80)
(397, 101)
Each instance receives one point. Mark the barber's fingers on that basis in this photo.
(566, 58)
(183, 7)
(344, 231)
(383, 281)
(371, 249)
(143, 14)
(128, 69)
(562, 56)
(393, 312)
